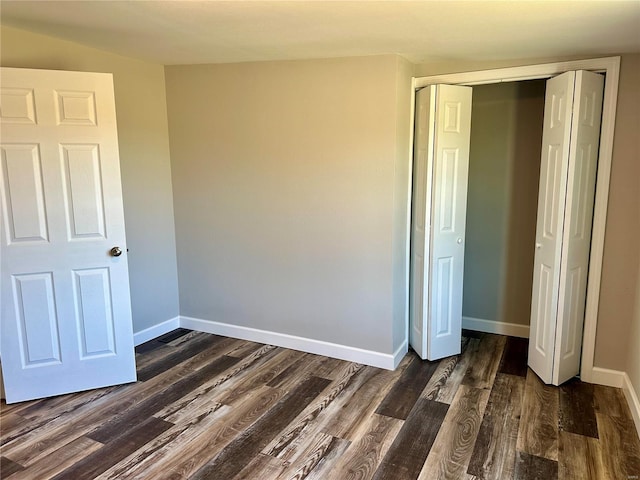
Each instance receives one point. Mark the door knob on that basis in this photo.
(459, 240)
(538, 246)
(115, 252)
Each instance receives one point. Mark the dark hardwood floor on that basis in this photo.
(208, 407)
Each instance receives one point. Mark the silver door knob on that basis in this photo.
(459, 240)
(538, 246)
(115, 252)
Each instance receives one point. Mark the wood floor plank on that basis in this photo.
(409, 450)
(170, 442)
(610, 401)
(620, 446)
(580, 458)
(59, 460)
(281, 440)
(494, 453)
(334, 435)
(484, 361)
(514, 357)
(347, 416)
(176, 357)
(444, 383)
(202, 442)
(317, 462)
(212, 389)
(538, 431)
(402, 397)
(531, 467)
(363, 457)
(235, 456)
(8, 467)
(42, 414)
(150, 346)
(64, 428)
(260, 374)
(451, 451)
(173, 335)
(262, 467)
(101, 460)
(114, 428)
(577, 413)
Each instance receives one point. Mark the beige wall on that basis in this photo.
(144, 158)
(622, 240)
(401, 201)
(620, 254)
(285, 177)
(504, 169)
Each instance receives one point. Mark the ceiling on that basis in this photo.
(187, 32)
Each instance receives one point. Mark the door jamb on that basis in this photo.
(611, 67)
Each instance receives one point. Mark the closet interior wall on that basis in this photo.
(504, 171)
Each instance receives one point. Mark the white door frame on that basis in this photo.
(610, 66)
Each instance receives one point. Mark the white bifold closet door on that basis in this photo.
(571, 134)
(441, 170)
(66, 312)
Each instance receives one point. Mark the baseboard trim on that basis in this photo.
(156, 330)
(387, 361)
(400, 352)
(632, 399)
(607, 377)
(501, 328)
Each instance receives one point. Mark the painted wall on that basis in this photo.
(622, 239)
(620, 254)
(290, 184)
(144, 159)
(504, 170)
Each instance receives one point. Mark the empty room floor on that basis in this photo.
(212, 407)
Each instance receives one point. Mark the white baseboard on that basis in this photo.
(400, 352)
(607, 377)
(501, 328)
(387, 361)
(632, 399)
(156, 330)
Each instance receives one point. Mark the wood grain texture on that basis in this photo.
(531, 467)
(402, 397)
(9, 467)
(610, 401)
(484, 361)
(538, 431)
(577, 413)
(514, 357)
(451, 451)
(580, 458)
(445, 381)
(494, 454)
(410, 449)
(363, 458)
(240, 451)
(59, 460)
(101, 460)
(620, 447)
(114, 427)
(235, 402)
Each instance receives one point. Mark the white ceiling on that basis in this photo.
(186, 32)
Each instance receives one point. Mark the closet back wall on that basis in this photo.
(504, 170)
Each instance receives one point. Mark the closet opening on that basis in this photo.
(502, 202)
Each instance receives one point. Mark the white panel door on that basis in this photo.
(438, 312)
(576, 243)
(66, 314)
(563, 230)
(421, 218)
